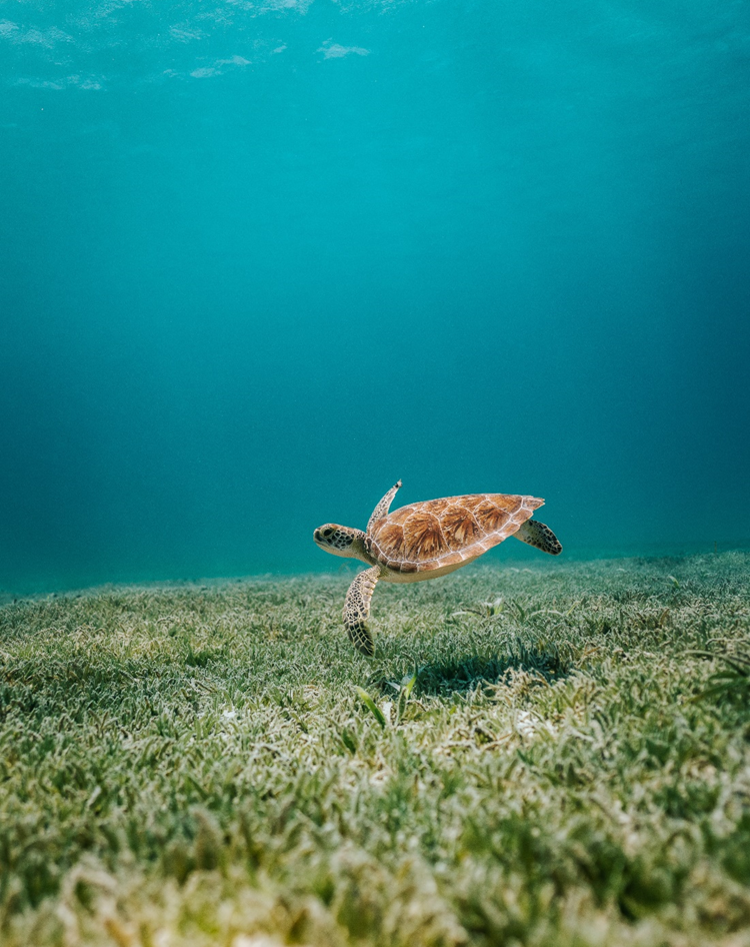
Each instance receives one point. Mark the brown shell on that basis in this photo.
(433, 534)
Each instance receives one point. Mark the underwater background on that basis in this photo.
(259, 260)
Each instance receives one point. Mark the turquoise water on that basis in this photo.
(260, 260)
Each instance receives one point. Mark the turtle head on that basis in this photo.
(340, 540)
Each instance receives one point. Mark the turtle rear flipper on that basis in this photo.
(539, 535)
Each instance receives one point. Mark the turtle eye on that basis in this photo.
(327, 532)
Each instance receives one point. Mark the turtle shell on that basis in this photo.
(435, 534)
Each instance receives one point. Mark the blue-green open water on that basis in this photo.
(258, 260)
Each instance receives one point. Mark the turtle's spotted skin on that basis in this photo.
(426, 540)
(357, 610)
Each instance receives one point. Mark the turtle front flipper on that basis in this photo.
(540, 535)
(385, 504)
(357, 610)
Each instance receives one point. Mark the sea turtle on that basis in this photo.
(426, 540)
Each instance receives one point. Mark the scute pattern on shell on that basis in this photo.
(438, 533)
